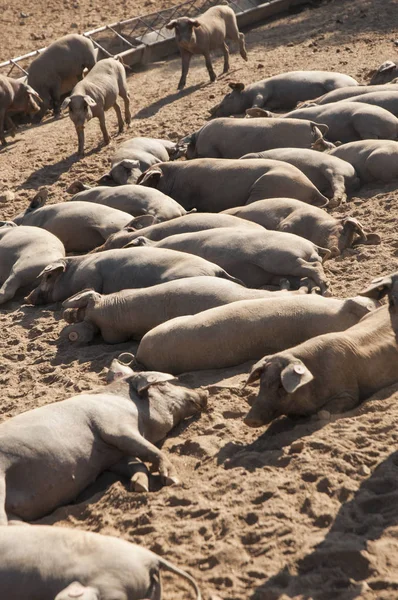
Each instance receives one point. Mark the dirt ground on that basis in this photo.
(301, 510)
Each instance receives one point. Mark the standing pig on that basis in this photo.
(116, 270)
(312, 223)
(134, 157)
(334, 371)
(56, 70)
(330, 176)
(373, 160)
(279, 92)
(15, 96)
(133, 199)
(351, 121)
(213, 185)
(24, 252)
(81, 226)
(114, 569)
(49, 455)
(257, 258)
(236, 333)
(186, 224)
(232, 138)
(206, 33)
(97, 93)
(130, 314)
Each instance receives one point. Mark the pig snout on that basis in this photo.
(36, 297)
(260, 415)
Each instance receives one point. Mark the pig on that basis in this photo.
(57, 70)
(386, 99)
(130, 314)
(116, 270)
(334, 371)
(114, 569)
(97, 93)
(232, 138)
(312, 223)
(280, 92)
(330, 176)
(206, 33)
(24, 252)
(213, 185)
(15, 96)
(81, 226)
(349, 92)
(135, 156)
(373, 160)
(229, 335)
(135, 200)
(49, 455)
(186, 224)
(387, 72)
(351, 121)
(257, 258)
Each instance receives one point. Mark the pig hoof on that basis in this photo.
(170, 480)
(139, 483)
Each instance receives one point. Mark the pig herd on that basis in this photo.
(209, 262)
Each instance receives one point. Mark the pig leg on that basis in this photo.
(185, 59)
(209, 67)
(306, 269)
(341, 403)
(2, 119)
(136, 471)
(242, 46)
(123, 93)
(104, 130)
(119, 117)
(226, 58)
(131, 443)
(337, 183)
(9, 287)
(55, 93)
(11, 126)
(3, 514)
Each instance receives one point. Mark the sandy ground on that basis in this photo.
(304, 509)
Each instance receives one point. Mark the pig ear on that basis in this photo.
(77, 591)
(150, 178)
(141, 222)
(257, 112)
(82, 299)
(60, 265)
(172, 24)
(118, 370)
(76, 187)
(238, 87)
(142, 381)
(194, 22)
(65, 103)
(8, 224)
(33, 93)
(386, 66)
(318, 130)
(257, 370)
(129, 164)
(89, 100)
(139, 241)
(378, 288)
(39, 200)
(294, 376)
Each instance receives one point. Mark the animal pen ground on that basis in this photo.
(304, 509)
